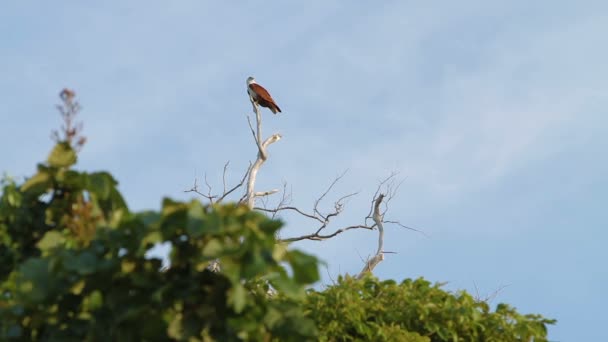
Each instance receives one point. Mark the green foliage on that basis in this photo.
(415, 310)
(74, 266)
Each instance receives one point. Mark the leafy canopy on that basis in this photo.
(416, 311)
(74, 266)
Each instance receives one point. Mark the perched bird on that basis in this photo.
(260, 95)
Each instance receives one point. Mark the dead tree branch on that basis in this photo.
(375, 219)
(225, 192)
(378, 220)
(490, 297)
(388, 186)
(316, 236)
(262, 156)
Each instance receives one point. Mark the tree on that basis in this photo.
(321, 219)
(414, 310)
(75, 267)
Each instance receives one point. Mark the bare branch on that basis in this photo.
(318, 237)
(378, 190)
(250, 195)
(236, 186)
(224, 177)
(265, 193)
(329, 275)
(209, 196)
(336, 180)
(276, 210)
(324, 219)
(406, 227)
(376, 259)
(197, 191)
(218, 198)
(257, 141)
(490, 297)
(285, 199)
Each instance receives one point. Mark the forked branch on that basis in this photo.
(378, 221)
(216, 198)
(251, 195)
(379, 203)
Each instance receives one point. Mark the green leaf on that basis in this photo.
(196, 214)
(304, 267)
(175, 327)
(84, 263)
(34, 281)
(286, 286)
(70, 178)
(279, 251)
(50, 240)
(62, 155)
(149, 217)
(94, 300)
(127, 266)
(237, 297)
(151, 238)
(101, 184)
(39, 183)
(78, 287)
(213, 248)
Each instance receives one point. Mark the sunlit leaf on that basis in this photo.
(236, 297)
(304, 267)
(50, 240)
(196, 215)
(62, 155)
(40, 182)
(213, 248)
(127, 266)
(78, 287)
(101, 184)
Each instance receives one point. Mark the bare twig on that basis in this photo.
(406, 227)
(255, 137)
(276, 210)
(387, 181)
(236, 186)
(387, 186)
(196, 190)
(329, 275)
(336, 180)
(218, 198)
(490, 297)
(209, 196)
(317, 215)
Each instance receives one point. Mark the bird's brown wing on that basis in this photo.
(263, 95)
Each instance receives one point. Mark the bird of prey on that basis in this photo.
(260, 95)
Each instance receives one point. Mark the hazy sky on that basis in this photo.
(494, 114)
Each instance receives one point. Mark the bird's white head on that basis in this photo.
(250, 80)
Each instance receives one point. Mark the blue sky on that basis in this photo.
(495, 115)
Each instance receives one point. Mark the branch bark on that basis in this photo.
(262, 156)
(376, 259)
